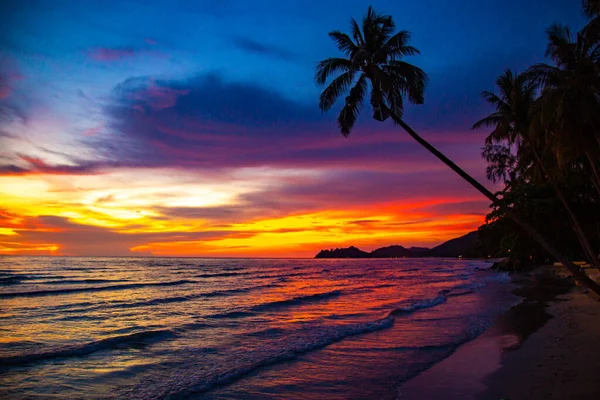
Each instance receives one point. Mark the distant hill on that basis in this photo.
(348, 252)
(462, 246)
(391, 252)
(419, 251)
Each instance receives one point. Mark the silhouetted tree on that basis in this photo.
(515, 106)
(374, 58)
(569, 106)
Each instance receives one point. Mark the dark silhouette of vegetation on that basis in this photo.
(545, 145)
(591, 7)
(374, 60)
(349, 252)
(391, 252)
(466, 246)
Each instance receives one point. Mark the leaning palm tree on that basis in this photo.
(515, 104)
(374, 60)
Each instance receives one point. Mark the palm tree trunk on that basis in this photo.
(579, 275)
(583, 240)
(596, 178)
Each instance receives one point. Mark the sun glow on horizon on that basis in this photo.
(173, 213)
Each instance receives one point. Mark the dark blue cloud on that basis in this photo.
(254, 46)
(206, 122)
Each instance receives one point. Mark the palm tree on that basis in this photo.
(513, 105)
(373, 58)
(569, 114)
(511, 122)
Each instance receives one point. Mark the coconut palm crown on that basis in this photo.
(570, 105)
(513, 103)
(373, 60)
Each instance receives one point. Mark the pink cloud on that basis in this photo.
(6, 78)
(5, 90)
(139, 108)
(37, 166)
(150, 41)
(159, 97)
(110, 54)
(93, 131)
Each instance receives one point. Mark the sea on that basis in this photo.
(184, 328)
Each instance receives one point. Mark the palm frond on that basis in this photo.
(349, 114)
(356, 33)
(331, 66)
(560, 46)
(386, 29)
(343, 42)
(493, 99)
(411, 79)
(332, 92)
(396, 47)
(376, 29)
(541, 74)
(489, 121)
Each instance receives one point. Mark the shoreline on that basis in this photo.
(543, 348)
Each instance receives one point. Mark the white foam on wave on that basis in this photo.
(197, 380)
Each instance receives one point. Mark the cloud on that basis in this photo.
(57, 235)
(36, 166)
(252, 46)
(206, 122)
(106, 54)
(93, 131)
(4, 87)
(9, 73)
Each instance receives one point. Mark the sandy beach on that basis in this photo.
(544, 348)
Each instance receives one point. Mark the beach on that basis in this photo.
(544, 348)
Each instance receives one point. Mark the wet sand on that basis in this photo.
(547, 347)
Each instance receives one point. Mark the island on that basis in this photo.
(462, 246)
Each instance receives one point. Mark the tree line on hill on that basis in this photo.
(466, 246)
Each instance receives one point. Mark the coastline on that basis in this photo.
(543, 348)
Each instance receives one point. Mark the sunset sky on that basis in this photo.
(193, 129)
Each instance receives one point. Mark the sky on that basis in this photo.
(192, 128)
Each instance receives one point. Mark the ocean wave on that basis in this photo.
(223, 274)
(419, 305)
(297, 300)
(232, 314)
(465, 288)
(459, 292)
(284, 275)
(268, 332)
(80, 281)
(11, 280)
(252, 311)
(124, 341)
(149, 303)
(179, 299)
(192, 326)
(228, 292)
(197, 384)
(51, 292)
